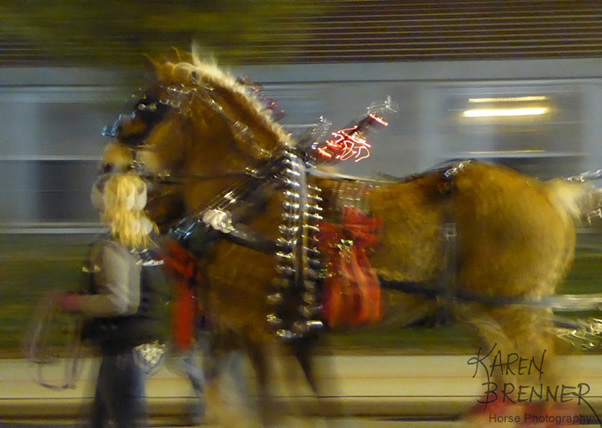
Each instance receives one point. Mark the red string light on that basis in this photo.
(350, 143)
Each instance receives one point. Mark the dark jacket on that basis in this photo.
(120, 304)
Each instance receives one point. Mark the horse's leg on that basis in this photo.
(531, 329)
(303, 352)
(226, 389)
(213, 365)
(493, 338)
(259, 360)
(492, 334)
(315, 369)
(519, 331)
(521, 360)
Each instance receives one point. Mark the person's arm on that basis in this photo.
(118, 295)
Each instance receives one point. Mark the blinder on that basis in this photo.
(134, 128)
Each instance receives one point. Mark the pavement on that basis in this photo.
(357, 391)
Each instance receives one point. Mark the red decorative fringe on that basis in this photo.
(351, 292)
(182, 266)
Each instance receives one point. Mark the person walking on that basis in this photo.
(118, 307)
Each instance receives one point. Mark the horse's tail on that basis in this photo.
(575, 201)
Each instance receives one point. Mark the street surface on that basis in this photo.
(358, 391)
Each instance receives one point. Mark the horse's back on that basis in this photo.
(412, 213)
(514, 233)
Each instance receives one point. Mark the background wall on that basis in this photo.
(51, 121)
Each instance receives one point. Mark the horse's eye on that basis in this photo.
(131, 127)
(107, 168)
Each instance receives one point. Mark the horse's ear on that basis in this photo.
(178, 56)
(174, 55)
(151, 67)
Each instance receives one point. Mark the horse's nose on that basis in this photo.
(116, 157)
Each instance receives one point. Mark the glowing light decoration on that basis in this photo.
(345, 145)
(350, 143)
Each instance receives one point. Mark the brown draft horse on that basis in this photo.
(201, 130)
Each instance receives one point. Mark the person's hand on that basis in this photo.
(69, 302)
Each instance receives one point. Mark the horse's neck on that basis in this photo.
(209, 172)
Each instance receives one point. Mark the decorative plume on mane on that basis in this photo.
(242, 102)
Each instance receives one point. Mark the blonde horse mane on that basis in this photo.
(233, 99)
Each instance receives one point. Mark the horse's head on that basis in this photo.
(193, 131)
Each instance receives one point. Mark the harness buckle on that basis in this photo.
(219, 220)
(449, 231)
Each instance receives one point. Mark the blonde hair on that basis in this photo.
(124, 199)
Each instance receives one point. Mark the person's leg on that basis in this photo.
(99, 415)
(139, 393)
(125, 391)
(194, 373)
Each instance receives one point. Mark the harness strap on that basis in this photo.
(447, 280)
(247, 237)
(435, 292)
(239, 234)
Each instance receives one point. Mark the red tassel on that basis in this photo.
(181, 264)
(351, 294)
(183, 313)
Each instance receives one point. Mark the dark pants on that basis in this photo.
(120, 393)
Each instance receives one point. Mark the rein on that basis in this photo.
(585, 334)
(436, 292)
(44, 361)
(180, 179)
